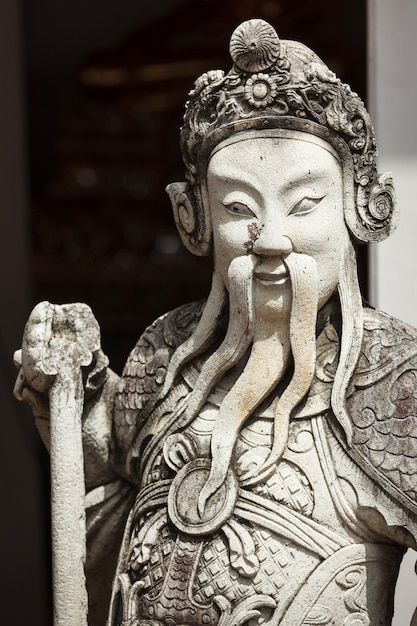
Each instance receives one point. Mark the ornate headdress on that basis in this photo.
(280, 84)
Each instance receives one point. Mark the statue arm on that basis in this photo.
(112, 416)
(100, 388)
(108, 497)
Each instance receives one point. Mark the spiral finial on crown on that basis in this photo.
(254, 46)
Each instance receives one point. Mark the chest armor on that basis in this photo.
(289, 551)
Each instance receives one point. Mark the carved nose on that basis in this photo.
(272, 244)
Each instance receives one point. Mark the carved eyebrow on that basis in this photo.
(307, 176)
(304, 178)
(242, 184)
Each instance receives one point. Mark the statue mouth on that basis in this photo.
(272, 278)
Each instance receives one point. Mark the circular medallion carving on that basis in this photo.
(183, 499)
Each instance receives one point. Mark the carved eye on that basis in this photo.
(305, 205)
(238, 208)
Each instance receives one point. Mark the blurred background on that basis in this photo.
(92, 104)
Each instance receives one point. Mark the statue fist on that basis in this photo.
(57, 339)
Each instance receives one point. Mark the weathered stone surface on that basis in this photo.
(255, 461)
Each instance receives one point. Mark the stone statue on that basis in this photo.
(255, 463)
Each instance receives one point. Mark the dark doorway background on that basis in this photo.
(106, 85)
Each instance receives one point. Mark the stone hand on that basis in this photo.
(56, 338)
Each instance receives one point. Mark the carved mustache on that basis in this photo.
(238, 335)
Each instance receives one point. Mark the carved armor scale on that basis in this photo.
(325, 523)
(235, 563)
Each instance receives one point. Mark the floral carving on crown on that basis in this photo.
(283, 83)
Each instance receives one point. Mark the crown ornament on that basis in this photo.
(275, 83)
(254, 46)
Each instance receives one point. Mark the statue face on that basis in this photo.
(270, 196)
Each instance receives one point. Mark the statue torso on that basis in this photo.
(299, 548)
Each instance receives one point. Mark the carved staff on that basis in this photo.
(58, 342)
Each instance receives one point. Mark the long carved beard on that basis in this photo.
(352, 334)
(268, 358)
(264, 370)
(203, 335)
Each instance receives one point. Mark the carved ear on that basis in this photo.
(191, 217)
(377, 211)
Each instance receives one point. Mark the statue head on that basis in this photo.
(277, 84)
(280, 160)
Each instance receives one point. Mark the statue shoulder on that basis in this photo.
(145, 369)
(386, 343)
(382, 404)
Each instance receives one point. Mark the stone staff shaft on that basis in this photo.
(58, 342)
(67, 499)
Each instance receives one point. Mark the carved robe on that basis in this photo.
(297, 549)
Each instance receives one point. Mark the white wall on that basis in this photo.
(393, 106)
(392, 83)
